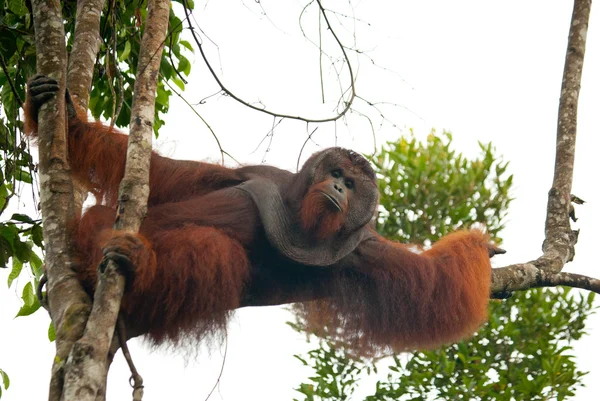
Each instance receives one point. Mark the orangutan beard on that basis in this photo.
(319, 216)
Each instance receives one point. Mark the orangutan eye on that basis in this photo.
(336, 173)
(349, 184)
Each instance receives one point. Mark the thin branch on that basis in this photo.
(213, 133)
(110, 84)
(308, 138)
(117, 103)
(221, 371)
(171, 56)
(321, 61)
(348, 103)
(549, 279)
(86, 43)
(136, 380)
(10, 83)
(273, 126)
(527, 275)
(270, 135)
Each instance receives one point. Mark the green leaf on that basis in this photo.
(36, 265)
(37, 235)
(125, 54)
(178, 82)
(51, 332)
(27, 310)
(184, 66)
(28, 296)
(187, 45)
(23, 176)
(31, 303)
(17, 266)
(22, 250)
(9, 232)
(5, 379)
(22, 218)
(18, 7)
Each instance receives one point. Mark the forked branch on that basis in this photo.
(559, 245)
(346, 102)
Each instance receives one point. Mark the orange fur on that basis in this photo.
(397, 299)
(318, 215)
(97, 157)
(186, 282)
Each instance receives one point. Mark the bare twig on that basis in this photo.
(10, 83)
(110, 82)
(136, 380)
(220, 372)
(171, 56)
(221, 150)
(308, 138)
(347, 103)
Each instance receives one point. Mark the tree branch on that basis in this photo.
(11, 84)
(88, 362)
(86, 43)
(523, 276)
(68, 303)
(559, 245)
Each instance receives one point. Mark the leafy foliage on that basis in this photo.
(336, 374)
(114, 78)
(522, 353)
(428, 190)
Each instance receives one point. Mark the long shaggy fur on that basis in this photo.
(401, 300)
(187, 282)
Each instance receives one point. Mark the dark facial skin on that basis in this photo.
(336, 190)
(347, 182)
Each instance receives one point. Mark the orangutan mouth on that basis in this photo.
(332, 200)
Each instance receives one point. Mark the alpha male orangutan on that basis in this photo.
(216, 239)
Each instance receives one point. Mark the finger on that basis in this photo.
(71, 112)
(125, 264)
(43, 97)
(45, 88)
(39, 80)
(494, 250)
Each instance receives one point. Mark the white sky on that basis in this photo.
(487, 71)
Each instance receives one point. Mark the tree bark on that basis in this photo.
(87, 367)
(68, 304)
(86, 43)
(559, 245)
